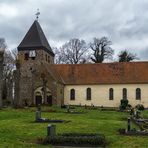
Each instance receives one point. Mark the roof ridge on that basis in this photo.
(102, 63)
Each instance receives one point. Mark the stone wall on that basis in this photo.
(60, 94)
(17, 85)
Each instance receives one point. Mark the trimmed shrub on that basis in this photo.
(124, 104)
(79, 139)
(129, 106)
(63, 106)
(139, 107)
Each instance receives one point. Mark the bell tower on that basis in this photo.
(35, 56)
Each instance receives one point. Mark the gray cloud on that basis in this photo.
(144, 54)
(124, 22)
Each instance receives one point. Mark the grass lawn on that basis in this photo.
(18, 129)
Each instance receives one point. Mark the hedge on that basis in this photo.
(79, 139)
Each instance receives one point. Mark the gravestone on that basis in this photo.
(128, 124)
(38, 113)
(51, 130)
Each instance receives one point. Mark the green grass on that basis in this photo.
(18, 130)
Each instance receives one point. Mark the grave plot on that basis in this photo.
(73, 110)
(139, 121)
(40, 119)
(73, 139)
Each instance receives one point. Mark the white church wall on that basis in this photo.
(100, 94)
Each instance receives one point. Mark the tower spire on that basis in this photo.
(37, 14)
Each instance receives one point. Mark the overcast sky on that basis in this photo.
(124, 22)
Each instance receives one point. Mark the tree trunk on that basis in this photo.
(1, 77)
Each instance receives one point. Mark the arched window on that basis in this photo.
(138, 94)
(88, 94)
(111, 94)
(46, 57)
(72, 94)
(26, 56)
(124, 93)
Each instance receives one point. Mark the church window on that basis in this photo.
(72, 94)
(33, 58)
(124, 93)
(46, 57)
(49, 59)
(111, 94)
(138, 94)
(88, 94)
(26, 56)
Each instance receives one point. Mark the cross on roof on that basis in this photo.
(37, 14)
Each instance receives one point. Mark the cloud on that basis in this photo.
(12, 11)
(123, 22)
(144, 54)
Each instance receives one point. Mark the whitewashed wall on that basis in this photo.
(100, 94)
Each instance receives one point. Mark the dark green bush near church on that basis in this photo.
(79, 139)
(123, 104)
(139, 107)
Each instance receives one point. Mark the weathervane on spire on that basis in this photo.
(37, 14)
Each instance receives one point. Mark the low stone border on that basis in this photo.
(75, 112)
(45, 120)
(133, 133)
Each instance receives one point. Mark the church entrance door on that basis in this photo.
(49, 100)
(38, 100)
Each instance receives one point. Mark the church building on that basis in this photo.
(104, 84)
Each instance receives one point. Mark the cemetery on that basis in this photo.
(49, 104)
(18, 128)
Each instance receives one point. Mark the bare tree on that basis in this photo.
(8, 67)
(58, 55)
(3, 44)
(9, 63)
(126, 56)
(2, 49)
(14, 53)
(101, 49)
(72, 52)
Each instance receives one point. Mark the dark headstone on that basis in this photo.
(128, 124)
(51, 130)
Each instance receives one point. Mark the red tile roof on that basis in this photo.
(104, 73)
